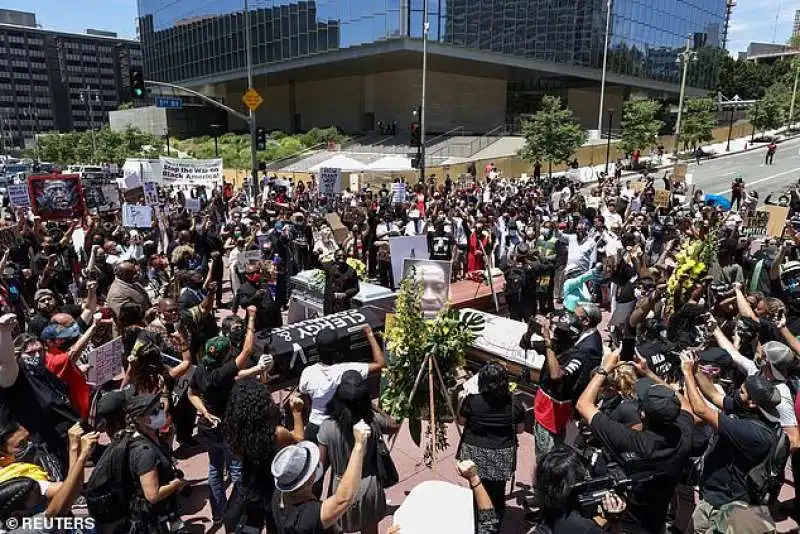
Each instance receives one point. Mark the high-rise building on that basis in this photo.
(796, 28)
(50, 80)
(353, 63)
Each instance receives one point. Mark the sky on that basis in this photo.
(752, 20)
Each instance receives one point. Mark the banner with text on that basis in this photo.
(105, 362)
(330, 181)
(18, 195)
(206, 172)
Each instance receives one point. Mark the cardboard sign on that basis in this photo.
(18, 195)
(593, 202)
(247, 256)
(193, 205)
(661, 199)
(57, 196)
(339, 230)
(105, 362)
(355, 183)
(150, 190)
(134, 216)
(756, 224)
(436, 506)
(778, 215)
(636, 186)
(330, 181)
(132, 180)
(680, 172)
(398, 193)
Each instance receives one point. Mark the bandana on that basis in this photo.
(217, 350)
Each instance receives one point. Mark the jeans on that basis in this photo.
(218, 456)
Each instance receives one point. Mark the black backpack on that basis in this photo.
(515, 283)
(110, 488)
(765, 478)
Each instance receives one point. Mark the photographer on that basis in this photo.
(557, 476)
(746, 425)
(656, 456)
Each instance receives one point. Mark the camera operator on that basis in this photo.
(557, 476)
(746, 425)
(572, 350)
(656, 456)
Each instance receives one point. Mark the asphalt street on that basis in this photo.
(715, 176)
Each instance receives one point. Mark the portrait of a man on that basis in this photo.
(57, 196)
(435, 279)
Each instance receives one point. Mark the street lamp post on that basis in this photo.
(425, 27)
(730, 129)
(608, 141)
(684, 57)
(249, 54)
(215, 128)
(86, 97)
(794, 94)
(603, 79)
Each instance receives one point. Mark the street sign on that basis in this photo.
(169, 102)
(252, 99)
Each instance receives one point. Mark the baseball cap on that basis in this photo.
(779, 358)
(716, 356)
(57, 331)
(43, 293)
(110, 406)
(327, 341)
(294, 465)
(352, 386)
(659, 402)
(140, 405)
(764, 395)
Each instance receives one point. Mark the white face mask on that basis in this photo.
(159, 420)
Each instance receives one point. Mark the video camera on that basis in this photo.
(589, 495)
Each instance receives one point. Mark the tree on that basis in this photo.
(698, 121)
(639, 125)
(552, 135)
(770, 112)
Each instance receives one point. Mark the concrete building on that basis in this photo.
(796, 27)
(352, 64)
(52, 80)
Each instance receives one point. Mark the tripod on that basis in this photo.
(431, 364)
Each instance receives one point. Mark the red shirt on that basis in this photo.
(59, 363)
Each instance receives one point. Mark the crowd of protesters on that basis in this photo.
(697, 392)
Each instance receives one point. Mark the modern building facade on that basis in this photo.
(52, 80)
(354, 62)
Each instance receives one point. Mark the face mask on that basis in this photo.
(159, 420)
(236, 337)
(254, 278)
(23, 451)
(546, 233)
(33, 360)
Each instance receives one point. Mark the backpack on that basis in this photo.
(765, 478)
(110, 489)
(515, 283)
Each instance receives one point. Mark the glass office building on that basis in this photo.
(198, 42)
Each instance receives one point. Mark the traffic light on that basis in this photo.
(137, 83)
(416, 140)
(261, 138)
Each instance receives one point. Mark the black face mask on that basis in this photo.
(237, 338)
(742, 411)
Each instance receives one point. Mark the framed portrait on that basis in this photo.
(57, 196)
(435, 278)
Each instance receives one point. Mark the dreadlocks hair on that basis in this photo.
(250, 421)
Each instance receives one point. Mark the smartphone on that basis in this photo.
(628, 351)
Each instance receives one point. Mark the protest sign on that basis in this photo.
(680, 172)
(355, 182)
(339, 230)
(204, 172)
(330, 181)
(132, 180)
(9, 237)
(778, 215)
(150, 190)
(756, 224)
(248, 256)
(398, 193)
(105, 362)
(593, 202)
(18, 195)
(134, 216)
(636, 186)
(436, 506)
(400, 248)
(193, 205)
(56, 196)
(133, 196)
(661, 199)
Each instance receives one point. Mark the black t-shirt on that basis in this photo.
(143, 457)
(303, 518)
(490, 426)
(656, 456)
(214, 386)
(658, 359)
(741, 444)
(622, 410)
(574, 523)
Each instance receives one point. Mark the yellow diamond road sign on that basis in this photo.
(252, 99)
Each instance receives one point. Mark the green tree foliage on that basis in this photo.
(748, 79)
(552, 135)
(771, 112)
(639, 125)
(698, 122)
(109, 146)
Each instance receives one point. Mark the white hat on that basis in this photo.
(294, 465)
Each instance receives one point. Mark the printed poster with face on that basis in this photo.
(434, 275)
(57, 196)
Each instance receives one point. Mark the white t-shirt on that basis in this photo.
(320, 381)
